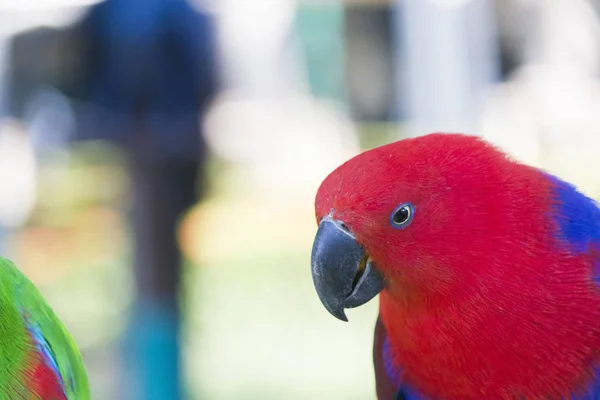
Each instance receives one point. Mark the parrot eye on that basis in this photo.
(402, 216)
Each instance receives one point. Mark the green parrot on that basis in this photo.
(38, 357)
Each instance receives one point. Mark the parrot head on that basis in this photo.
(487, 268)
(421, 219)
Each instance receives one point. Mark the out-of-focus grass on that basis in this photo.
(259, 332)
(254, 327)
(257, 329)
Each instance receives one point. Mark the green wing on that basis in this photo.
(16, 290)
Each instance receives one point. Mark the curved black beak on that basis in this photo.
(342, 271)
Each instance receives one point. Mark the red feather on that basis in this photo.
(482, 301)
(42, 378)
(44, 382)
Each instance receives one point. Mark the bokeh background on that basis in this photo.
(159, 161)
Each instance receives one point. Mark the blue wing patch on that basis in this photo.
(388, 375)
(593, 391)
(45, 350)
(394, 374)
(577, 215)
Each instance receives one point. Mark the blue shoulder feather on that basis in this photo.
(577, 215)
(45, 350)
(578, 219)
(404, 392)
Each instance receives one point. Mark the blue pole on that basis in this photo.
(152, 73)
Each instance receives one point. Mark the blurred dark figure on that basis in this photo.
(149, 76)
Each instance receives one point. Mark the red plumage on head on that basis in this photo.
(483, 299)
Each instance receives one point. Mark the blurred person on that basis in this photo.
(150, 72)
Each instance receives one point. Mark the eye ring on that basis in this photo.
(402, 216)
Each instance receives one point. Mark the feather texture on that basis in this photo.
(493, 288)
(38, 358)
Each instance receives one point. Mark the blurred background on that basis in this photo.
(159, 161)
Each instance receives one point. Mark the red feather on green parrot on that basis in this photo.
(38, 357)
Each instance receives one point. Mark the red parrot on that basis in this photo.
(487, 270)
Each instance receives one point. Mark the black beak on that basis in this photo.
(342, 272)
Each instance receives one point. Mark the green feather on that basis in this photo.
(20, 299)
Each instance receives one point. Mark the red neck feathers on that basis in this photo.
(504, 312)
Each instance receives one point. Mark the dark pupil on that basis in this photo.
(401, 215)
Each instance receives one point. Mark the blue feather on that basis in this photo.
(45, 350)
(404, 392)
(577, 215)
(578, 219)
(593, 391)
(393, 371)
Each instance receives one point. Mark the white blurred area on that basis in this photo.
(17, 174)
(548, 113)
(18, 149)
(267, 122)
(286, 141)
(286, 146)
